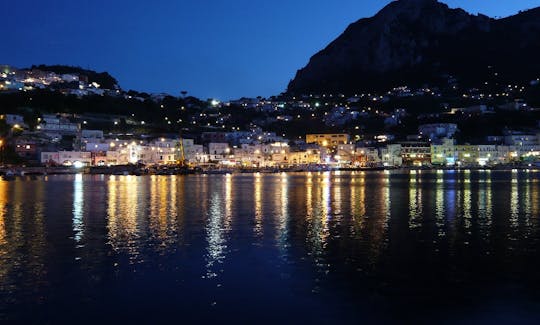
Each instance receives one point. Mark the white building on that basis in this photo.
(215, 148)
(14, 119)
(521, 140)
(57, 125)
(487, 154)
(444, 154)
(438, 130)
(91, 135)
(69, 77)
(96, 146)
(67, 158)
(250, 155)
(391, 155)
(345, 153)
(151, 154)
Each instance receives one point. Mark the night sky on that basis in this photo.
(211, 48)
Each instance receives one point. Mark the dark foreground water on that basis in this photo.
(319, 248)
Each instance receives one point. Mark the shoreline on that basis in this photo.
(7, 172)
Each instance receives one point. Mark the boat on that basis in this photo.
(219, 171)
(9, 175)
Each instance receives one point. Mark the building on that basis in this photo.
(218, 151)
(345, 153)
(507, 154)
(96, 146)
(151, 154)
(117, 157)
(443, 154)
(57, 125)
(487, 155)
(67, 158)
(276, 147)
(467, 155)
(521, 140)
(307, 157)
(193, 153)
(250, 155)
(91, 135)
(416, 153)
(215, 148)
(328, 140)
(438, 130)
(14, 120)
(27, 150)
(391, 155)
(367, 157)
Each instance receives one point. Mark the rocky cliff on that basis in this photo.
(423, 41)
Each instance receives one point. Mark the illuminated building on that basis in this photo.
(443, 154)
(486, 154)
(328, 140)
(66, 158)
(367, 157)
(416, 153)
(297, 158)
(345, 153)
(391, 155)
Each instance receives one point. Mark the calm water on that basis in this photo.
(320, 247)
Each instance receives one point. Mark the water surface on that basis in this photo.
(316, 247)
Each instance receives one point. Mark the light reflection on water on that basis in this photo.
(282, 200)
(258, 198)
(336, 234)
(78, 206)
(125, 217)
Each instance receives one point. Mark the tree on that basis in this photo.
(31, 118)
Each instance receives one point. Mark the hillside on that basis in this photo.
(104, 79)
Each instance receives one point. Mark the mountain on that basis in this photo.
(414, 42)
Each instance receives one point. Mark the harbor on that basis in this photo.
(8, 173)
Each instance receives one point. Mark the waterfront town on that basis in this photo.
(267, 162)
(294, 133)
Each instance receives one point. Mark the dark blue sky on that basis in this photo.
(211, 48)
